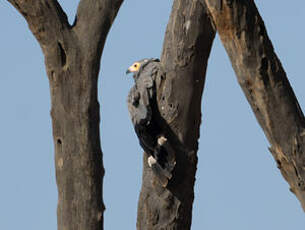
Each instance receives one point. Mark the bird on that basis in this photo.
(145, 117)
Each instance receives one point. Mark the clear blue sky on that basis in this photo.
(238, 185)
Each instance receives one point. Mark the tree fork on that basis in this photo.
(186, 49)
(72, 59)
(265, 84)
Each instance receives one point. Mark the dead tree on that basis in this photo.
(72, 58)
(186, 49)
(265, 84)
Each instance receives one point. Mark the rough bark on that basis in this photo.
(72, 59)
(186, 49)
(265, 85)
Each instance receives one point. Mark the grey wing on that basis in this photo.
(139, 107)
(141, 116)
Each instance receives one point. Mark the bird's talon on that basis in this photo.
(151, 160)
(162, 140)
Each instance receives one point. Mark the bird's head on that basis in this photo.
(137, 66)
(134, 68)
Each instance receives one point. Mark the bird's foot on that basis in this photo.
(162, 140)
(151, 161)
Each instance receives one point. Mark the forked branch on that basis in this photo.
(72, 58)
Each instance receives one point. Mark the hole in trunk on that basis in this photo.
(59, 141)
(63, 55)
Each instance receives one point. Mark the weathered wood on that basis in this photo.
(45, 19)
(265, 85)
(186, 49)
(72, 59)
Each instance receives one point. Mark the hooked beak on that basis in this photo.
(128, 71)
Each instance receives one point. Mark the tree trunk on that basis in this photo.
(265, 85)
(72, 59)
(186, 49)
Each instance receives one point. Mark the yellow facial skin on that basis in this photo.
(134, 67)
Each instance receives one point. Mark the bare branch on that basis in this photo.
(93, 21)
(46, 18)
(265, 85)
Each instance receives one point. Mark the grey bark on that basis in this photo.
(265, 84)
(186, 49)
(72, 58)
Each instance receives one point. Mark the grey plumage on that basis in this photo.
(145, 116)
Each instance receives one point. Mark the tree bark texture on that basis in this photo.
(186, 49)
(72, 59)
(265, 85)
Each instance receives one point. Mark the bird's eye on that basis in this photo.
(135, 65)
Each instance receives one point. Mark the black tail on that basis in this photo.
(163, 161)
